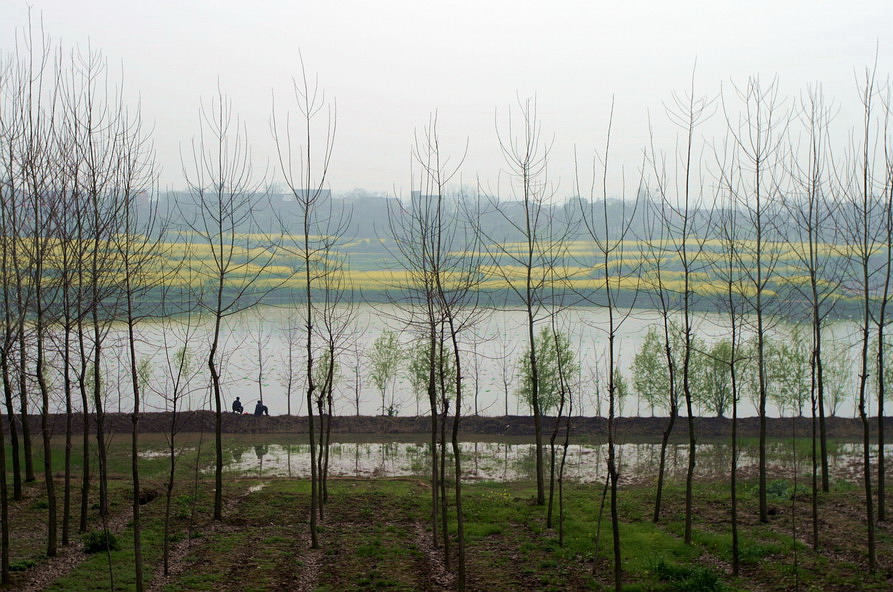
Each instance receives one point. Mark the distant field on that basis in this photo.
(370, 265)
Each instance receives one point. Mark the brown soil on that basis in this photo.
(628, 428)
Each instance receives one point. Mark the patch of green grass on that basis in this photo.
(686, 578)
(477, 530)
(372, 549)
(22, 565)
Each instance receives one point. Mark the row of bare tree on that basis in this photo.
(76, 163)
(82, 240)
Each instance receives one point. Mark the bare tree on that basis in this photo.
(567, 399)
(9, 130)
(137, 247)
(732, 279)
(71, 255)
(39, 171)
(662, 299)
(529, 243)
(337, 324)
(4, 511)
(757, 135)
(175, 385)
(565, 367)
(225, 194)
(812, 218)
(423, 230)
(863, 228)
(881, 319)
(457, 295)
(6, 341)
(289, 375)
(94, 115)
(609, 236)
(506, 364)
(679, 194)
(304, 164)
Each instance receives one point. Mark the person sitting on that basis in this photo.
(237, 406)
(261, 409)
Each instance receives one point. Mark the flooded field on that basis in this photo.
(514, 461)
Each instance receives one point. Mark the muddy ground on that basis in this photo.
(628, 428)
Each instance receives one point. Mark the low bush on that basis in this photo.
(99, 540)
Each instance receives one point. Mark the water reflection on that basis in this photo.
(501, 461)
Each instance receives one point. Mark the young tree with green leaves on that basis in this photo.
(788, 368)
(385, 358)
(621, 387)
(716, 394)
(419, 369)
(555, 363)
(650, 377)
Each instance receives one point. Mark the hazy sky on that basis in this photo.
(390, 64)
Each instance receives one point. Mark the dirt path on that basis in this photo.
(180, 550)
(68, 558)
(436, 572)
(306, 578)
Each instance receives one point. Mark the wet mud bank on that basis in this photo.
(628, 428)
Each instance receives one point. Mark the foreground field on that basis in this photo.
(376, 535)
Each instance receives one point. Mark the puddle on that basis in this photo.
(148, 454)
(498, 461)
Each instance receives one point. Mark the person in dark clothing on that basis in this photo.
(237, 406)
(261, 409)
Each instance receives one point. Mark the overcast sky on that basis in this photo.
(390, 64)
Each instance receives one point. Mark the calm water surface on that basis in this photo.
(500, 461)
(256, 346)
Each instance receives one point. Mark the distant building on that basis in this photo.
(322, 195)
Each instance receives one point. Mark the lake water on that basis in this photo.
(256, 345)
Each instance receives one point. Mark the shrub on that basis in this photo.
(782, 489)
(99, 540)
(183, 506)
